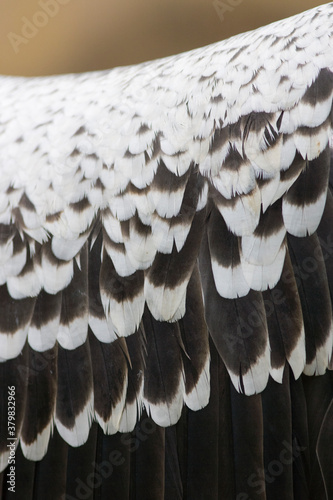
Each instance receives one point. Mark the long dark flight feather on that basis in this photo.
(300, 453)
(209, 445)
(54, 462)
(75, 394)
(40, 404)
(319, 394)
(248, 447)
(73, 328)
(163, 386)
(14, 383)
(109, 367)
(324, 452)
(285, 324)
(113, 465)
(311, 279)
(195, 343)
(82, 477)
(278, 463)
(325, 236)
(106, 193)
(238, 328)
(149, 460)
(136, 346)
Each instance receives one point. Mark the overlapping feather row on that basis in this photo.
(101, 235)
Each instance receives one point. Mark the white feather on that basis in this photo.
(25, 285)
(125, 315)
(262, 250)
(122, 207)
(43, 338)
(199, 396)
(13, 265)
(303, 220)
(67, 249)
(112, 226)
(78, 434)
(311, 147)
(74, 334)
(261, 277)
(11, 344)
(140, 249)
(103, 329)
(255, 379)
(112, 425)
(166, 414)
(165, 235)
(297, 357)
(167, 203)
(55, 277)
(229, 281)
(132, 411)
(120, 260)
(166, 304)
(37, 450)
(242, 215)
(322, 359)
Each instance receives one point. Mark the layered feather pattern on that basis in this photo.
(146, 208)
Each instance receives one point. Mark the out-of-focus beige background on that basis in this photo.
(39, 37)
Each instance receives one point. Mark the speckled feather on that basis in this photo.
(113, 184)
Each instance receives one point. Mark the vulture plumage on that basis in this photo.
(166, 274)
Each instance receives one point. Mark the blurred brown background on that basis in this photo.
(54, 36)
